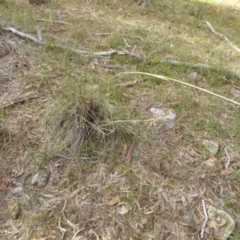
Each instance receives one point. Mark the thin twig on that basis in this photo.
(202, 66)
(184, 83)
(19, 101)
(134, 48)
(102, 34)
(124, 35)
(39, 33)
(177, 229)
(205, 221)
(125, 52)
(155, 119)
(64, 207)
(228, 162)
(222, 36)
(126, 43)
(129, 154)
(53, 21)
(108, 66)
(113, 52)
(129, 84)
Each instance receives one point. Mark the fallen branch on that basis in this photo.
(222, 36)
(77, 51)
(99, 54)
(23, 35)
(184, 83)
(113, 52)
(82, 52)
(202, 66)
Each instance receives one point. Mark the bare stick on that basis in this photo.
(134, 48)
(39, 33)
(177, 229)
(202, 66)
(81, 52)
(126, 43)
(228, 162)
(23, 35)
(100, 54)
(205, 221)
(53, 21)
(102, 34)
(112, 52)
(155, 119)
(222, 36)
(64, 207)
(184, 83)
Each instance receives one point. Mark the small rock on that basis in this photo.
(195, 76)
(41, 178)
(163, 115)
(211, 146)
(34, 180)
(14, 209)
(17, 191)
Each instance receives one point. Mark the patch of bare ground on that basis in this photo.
(85, 150)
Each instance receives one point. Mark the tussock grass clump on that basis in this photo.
(79, 121)
(7, 47)
(85, 121)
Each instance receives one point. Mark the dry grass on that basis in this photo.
(115, 172)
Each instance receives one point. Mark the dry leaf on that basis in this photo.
(114, 201)
(149, 235)
(4, 186)
(212, 162)
(124, 209)
(216, 225)
(14, 209)
(227, 172)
